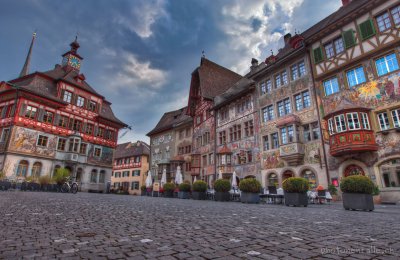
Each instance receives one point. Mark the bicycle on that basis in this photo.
(69, 186)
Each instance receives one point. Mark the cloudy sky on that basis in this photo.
(140, 53)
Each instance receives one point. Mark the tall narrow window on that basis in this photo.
(265, 143)
(275, 141)
(67, 96)
(284, 136)
(80, 101)
(383, 121)
(365, 121)
(340, 123)
(352, 121)
(315, 131)
(263, 88)
(329, 52)
(268, 113)
(4, 134)
(48, 117)
(396, 117)
(330, 126)
(306, 133)
(331, 86)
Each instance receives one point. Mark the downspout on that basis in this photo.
(215, 145)
(319, 119)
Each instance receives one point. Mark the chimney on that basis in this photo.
(345, 2)
(254, 64)
(287, 38)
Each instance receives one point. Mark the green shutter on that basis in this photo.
(367, 29)
(348, 38)
(318, 56)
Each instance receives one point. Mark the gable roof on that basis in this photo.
(131, 149)
(170, 120)
(241, 87)
(214, 79)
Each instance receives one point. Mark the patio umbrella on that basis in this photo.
(149, 181)
(195, 179)
(164, 177)
(234, 182)
(178, 176)
(220, 174)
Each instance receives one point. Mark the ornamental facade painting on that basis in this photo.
(25, 141)
(272, 160)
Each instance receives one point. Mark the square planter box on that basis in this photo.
(143, 193)
(222, 196)
(296, 199)
(248, 197)
(183, 194)
(360, 201)
(169, 194)
(196, 195)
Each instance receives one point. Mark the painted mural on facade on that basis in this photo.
(272, 160)
(105, 158)
(388, 144)
(311, 154)
(25, 142)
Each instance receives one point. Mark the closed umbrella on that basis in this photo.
(178, 175)
(149, 181)
(164, 177)
(220, 174)
(234, 182)
(195, 179)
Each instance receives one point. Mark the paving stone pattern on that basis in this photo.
(42, 225)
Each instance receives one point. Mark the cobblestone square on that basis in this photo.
(52, 225)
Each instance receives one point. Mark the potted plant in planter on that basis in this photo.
(149, 190)
(296, 191)
(250, 189)
(199, 190)
(169, 188)
(60, 176)
(222, 188)
(376, 195)
(357, 193)
(44, 182)
(143, 190)
(333, 191)
(184, 190)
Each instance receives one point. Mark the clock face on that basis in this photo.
(74, 62)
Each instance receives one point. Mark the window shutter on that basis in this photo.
(40, 115)
(318, 56)
(62, 94)
(4, 111)
(367, 29)
(348, 38)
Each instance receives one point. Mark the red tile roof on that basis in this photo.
(131, 149)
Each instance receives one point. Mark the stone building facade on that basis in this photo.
(55, 119)
(237, 121)
(355, 62)
(289, 131)
(130, 167)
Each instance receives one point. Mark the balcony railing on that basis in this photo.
(352, 141)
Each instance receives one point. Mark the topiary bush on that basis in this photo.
(199, 186)
(250, 185)
(295, 185)
(169, 186)
(222, 185)
(143, 187)
(184, 187)
(60, 175)
(357, 184)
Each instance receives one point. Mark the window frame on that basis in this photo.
(397, 115)
(67, 96)
(43, 139)
(355, 76)
(33, 110)
(386, 122)
(384, 57)
(331, 86)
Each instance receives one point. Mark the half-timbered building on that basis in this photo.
(55, 119)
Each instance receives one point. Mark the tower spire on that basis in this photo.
(25, 69)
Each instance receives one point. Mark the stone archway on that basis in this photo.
(353, 169)
(287, 174)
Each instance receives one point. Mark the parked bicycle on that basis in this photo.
(69, 186)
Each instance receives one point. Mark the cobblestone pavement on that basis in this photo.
(54, 225)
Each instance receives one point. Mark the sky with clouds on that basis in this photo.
(140, 54)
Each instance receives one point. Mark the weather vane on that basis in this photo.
(203, 54)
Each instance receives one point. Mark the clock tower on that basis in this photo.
(72, 58)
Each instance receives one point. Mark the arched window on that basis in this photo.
(22, 168)
(102, 176)
(79, 172)
(311, 178)
(93, 176)
(287, 174)
(273, 180)
(36, 169)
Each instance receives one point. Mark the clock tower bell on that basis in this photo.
(72, 58)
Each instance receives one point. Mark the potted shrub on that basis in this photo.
(222, 188)
(44, 182)
(250, 189)
(376, 195)
(296, 191)
(333, 191)
(169, 188)
(357, 193)
(199, 190)
(60, 176)
(149, 191)
(143, 190)
(184, 190)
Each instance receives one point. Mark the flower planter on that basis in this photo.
(360, 201)
(198, 195)
(249, 197)
(222, 196)
(155, 194)
(296, 199)
(143, 193)
(5, 185)
(168, 194)
(183, 194)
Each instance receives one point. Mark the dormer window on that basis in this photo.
(92, 106)
(67, 97)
